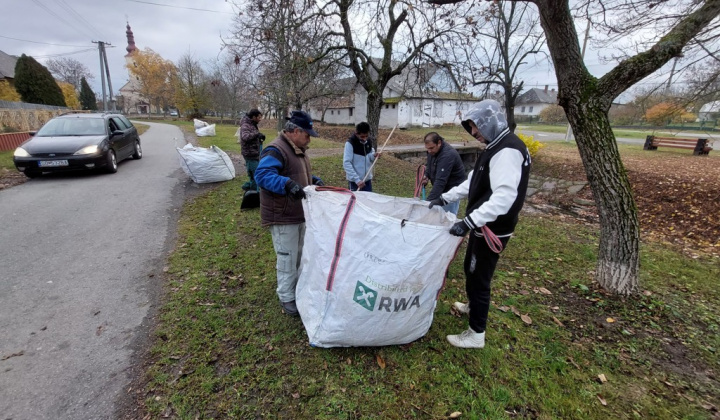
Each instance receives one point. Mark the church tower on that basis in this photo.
(131, 48)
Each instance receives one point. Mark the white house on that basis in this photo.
(417, 97)
(710, 111)
(532, 102)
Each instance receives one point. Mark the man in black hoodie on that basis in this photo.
(495, 190)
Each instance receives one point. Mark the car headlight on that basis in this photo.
(88, 150)
(20, 152)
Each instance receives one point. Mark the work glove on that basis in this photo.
(437, 202)
(294, 190)
(317, 181)
(460, 229)
(261, 137)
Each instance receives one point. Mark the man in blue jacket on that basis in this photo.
(283, 172)
(444, 168)
(358, 158)
(495, 190)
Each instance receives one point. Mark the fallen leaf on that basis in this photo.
(515, 311)
(610, 320)
(296, 395)
(20, 353)
(647, 292)
(557, 321)
(526, 319)
(504, 308)
(545, 291)
(573, 362)
(524, 292)
(455, 415)
(602, 401)
(349, 362)
(380, 361)
(602, 378)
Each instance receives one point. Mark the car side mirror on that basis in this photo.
(32, 133)
(117, 133)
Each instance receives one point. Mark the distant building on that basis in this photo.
(7, 67)
(417, 97)
(710, 111)
(130, 99)
(532, 102)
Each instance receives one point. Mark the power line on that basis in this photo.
(78, 16)
(66, 53)
(51, 12)
(180, 7)
(45, 43)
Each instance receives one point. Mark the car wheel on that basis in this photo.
(138, 150)
(111, 166)
(32, 174)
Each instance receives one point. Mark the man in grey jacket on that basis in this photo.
(495, 190)
(358, 158)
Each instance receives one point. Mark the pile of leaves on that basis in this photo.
(677, 194)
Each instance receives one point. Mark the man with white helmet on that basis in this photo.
(495, 190)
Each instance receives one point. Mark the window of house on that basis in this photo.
(522, 109)
(393, 106)
(530, 109)
(332, 112)
(350, 110)
(437, 109)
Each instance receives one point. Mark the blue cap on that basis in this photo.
(303, 120)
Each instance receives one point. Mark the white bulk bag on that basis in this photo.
(372, 267)
(207, 131)
(206, 165)
(199, 123)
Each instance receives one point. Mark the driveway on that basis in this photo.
(81, 260)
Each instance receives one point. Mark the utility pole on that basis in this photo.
(568, 134)
(105, 72)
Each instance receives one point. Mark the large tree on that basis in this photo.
(587, 99)
(393, 35)
(192, 93)
(35, 84)
(70, 95)
(87, 96)
(281, 44)
(154, 75)
(504, 48)
(230, 88)
(69, 70)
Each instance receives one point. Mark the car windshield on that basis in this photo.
(73, 127)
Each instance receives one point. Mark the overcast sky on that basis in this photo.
(170, 27)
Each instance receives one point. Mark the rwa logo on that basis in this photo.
(367, 297)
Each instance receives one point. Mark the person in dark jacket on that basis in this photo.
(250, 140)
(495, 190)
(444, 169)
(283, 172)
(358, 158)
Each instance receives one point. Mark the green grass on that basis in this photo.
(223, 349)
(6, 160)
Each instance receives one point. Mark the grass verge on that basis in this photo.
(223, 349)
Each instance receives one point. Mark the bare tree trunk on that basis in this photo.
(619, 252)
(374, 106)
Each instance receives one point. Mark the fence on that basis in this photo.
(9, 141)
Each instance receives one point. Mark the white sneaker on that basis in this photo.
(463, 308)
(468, 339)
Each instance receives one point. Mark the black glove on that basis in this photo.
(437, 202)
(261, 137)
(294, 190)
(317, 181)
(460, 229)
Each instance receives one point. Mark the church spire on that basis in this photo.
(131, 48)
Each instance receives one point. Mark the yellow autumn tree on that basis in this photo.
(71, 97)
(8, 92)
(155, 77)
(663, 113)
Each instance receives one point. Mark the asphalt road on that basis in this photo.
(81, 262)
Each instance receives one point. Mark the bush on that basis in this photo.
(553, 114)
(532, 144)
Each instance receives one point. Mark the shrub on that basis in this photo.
(532, 144)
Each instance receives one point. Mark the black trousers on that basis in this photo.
(480, 264)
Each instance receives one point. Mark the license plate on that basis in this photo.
(51, 163)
